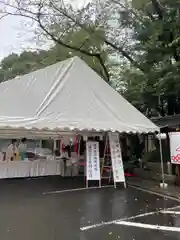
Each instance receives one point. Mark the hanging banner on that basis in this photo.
(175, 147)
(116, 157)
(93, 162)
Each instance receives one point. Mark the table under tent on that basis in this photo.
(67, 99)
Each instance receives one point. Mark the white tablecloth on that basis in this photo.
(17, 169)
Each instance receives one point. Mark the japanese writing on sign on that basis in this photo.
(93, 162)
(116, 157)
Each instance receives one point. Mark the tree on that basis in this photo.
(163, 57)
(146, 33)
(155, 26)
(56, 19)
(15, 65)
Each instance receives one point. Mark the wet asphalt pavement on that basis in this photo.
(30, 210)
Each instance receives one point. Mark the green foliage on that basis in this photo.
(90, 43)
(154, 156)
(15, 65)
(156, 33)
(134, 83)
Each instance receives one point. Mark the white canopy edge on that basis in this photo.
(8, 133)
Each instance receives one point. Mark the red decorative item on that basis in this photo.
(130, 175)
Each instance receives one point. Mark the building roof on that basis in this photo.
(167, 121)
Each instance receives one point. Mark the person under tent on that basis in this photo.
(12, 150)
(23, 148)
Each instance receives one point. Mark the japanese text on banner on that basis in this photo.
(117, 164)
(93, 162)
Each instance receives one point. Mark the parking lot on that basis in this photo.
(62, 209)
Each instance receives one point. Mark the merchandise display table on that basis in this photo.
(26, 168)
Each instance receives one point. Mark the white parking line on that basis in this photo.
(85, 228)
(148, 226)
(155, 193)
(76, 190)
(170, 212)
(114, 221)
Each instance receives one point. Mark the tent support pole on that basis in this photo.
(85, 167)
(54, 145)
(162, 163)
(40, 143)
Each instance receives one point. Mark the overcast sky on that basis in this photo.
(14, 37)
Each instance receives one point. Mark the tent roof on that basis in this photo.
(68, 95)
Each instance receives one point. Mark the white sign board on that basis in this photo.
(175, 147)
(93, 162)
(116, 157)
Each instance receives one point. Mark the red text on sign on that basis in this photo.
(176, 158)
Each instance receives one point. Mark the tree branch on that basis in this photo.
(125, 54)
(131, 10)
(119, 49)
(157, 8)
(36, 16)
(104, 68)
(79, 49)
(3, 16)
(58, 41)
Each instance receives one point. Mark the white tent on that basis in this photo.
(67, 96)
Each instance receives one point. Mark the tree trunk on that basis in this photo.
(171, 105)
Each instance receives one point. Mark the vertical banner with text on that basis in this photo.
(116, 158)
(175, 147)
(92, 161)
